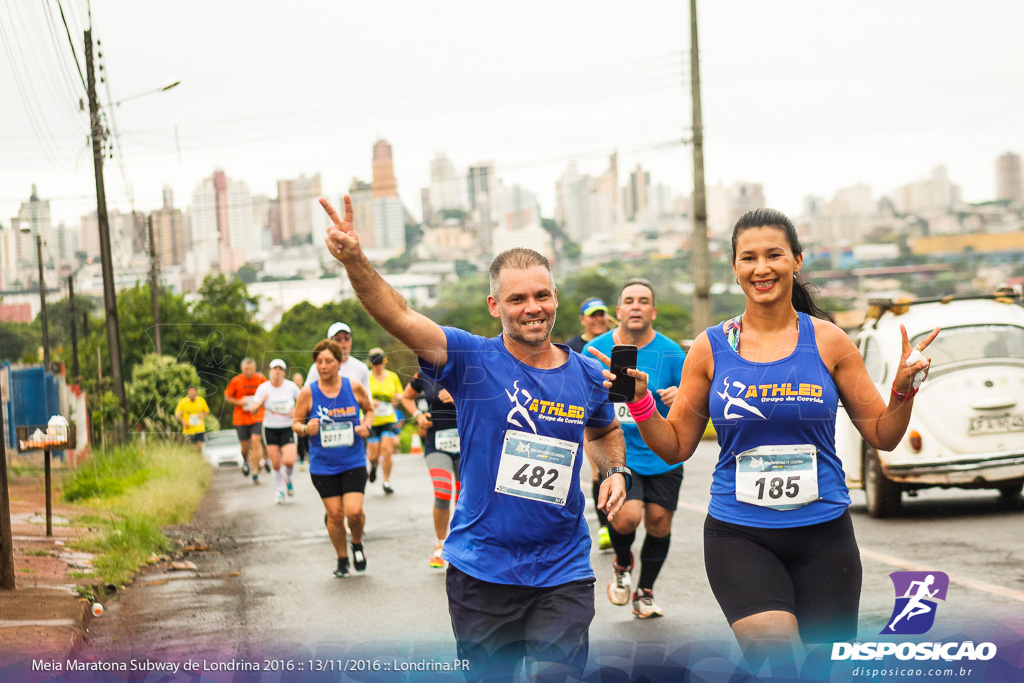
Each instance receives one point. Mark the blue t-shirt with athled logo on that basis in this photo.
(519, 519)
(780, 418)
(662, 360)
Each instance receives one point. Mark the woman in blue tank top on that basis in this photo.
(779, 547)
(337, 452)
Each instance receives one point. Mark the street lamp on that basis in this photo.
(148, 92)
(27, 228)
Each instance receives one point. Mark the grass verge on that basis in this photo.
(144, 489)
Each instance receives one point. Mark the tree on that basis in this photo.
(457, 214)
(247, 274)
(17, 340)
(156, 386)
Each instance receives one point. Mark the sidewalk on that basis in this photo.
(44, 615)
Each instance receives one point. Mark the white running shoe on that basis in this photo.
(620, 585)
(643, 604)
(279, 497)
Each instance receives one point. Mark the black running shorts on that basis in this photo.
(331, 485)
(662, 489)
(278, 436)
(496, 625)
(812, 572)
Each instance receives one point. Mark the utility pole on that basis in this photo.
(42, 305)
(72, 315)
(154, 279)
(699, 253)
(106, 262)
(6, 538)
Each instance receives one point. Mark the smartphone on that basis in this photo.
(623, 389)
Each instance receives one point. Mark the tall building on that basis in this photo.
(934, 194)
(636, 193)
(223, 235)
(426, 206)
(1009, 180)
(384, 184)
(389, 223)
(35, 216)
(480, 181)
(447, 191)
(169, 232)
(299, 207)
(362, 211)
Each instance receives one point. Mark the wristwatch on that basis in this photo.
(624, 471)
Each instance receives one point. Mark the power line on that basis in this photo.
(72, 43)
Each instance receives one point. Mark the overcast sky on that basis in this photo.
(803, 96)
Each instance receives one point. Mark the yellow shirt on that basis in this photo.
(192, 411)
(383, 390)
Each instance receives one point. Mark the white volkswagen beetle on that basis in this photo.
(967, 428)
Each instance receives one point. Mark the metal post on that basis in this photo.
(700, 253)
(72, 315)
(49, 503)
(154, 286)
(42, 305)
(6, 537)
(106, 262)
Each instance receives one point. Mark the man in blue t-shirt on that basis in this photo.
(519, 582)
(654, 495)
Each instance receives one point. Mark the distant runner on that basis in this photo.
(278, 397)
(337, 453)
(440, 449)
(191, 410)
(386, 392)
(248, 424)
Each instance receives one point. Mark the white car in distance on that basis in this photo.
(967, 426)
(221, 449)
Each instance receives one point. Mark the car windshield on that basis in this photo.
(222, 437)
(972, 342)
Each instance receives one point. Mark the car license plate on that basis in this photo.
(995, 425)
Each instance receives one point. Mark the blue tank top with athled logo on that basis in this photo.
(335, 448)
(776, 429)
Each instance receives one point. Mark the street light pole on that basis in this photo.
(106, 262)
(154, 286)
(27, 228)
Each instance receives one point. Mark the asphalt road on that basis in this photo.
(265, 589)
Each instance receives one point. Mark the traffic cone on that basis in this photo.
(417, 445)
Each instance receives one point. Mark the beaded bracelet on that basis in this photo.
(902, 397)
(642, 409)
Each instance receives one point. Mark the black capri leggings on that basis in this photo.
(812, 572)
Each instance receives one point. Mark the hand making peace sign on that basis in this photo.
(341, 239)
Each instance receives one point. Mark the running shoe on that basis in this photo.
(266, 465)
(245, 469)
(342, 571)
(372, 475)
(291, 489)
(387, 488)
(256, 479)
(279, 497)
(358, 557)
(436, 561)
(643, 604)
(604, 541)
(622, 581)
(302, 466)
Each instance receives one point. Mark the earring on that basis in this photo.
(737, 280)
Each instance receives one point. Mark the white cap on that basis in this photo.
(278, 363)
(336, 328)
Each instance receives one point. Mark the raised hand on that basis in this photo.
(341, 240)
(905, 380)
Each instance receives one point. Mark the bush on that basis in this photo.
(157, 384)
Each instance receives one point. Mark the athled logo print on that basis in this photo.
(736, 401)
(518, 410)
(916, 595)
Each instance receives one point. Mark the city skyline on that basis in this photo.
(806, 101)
